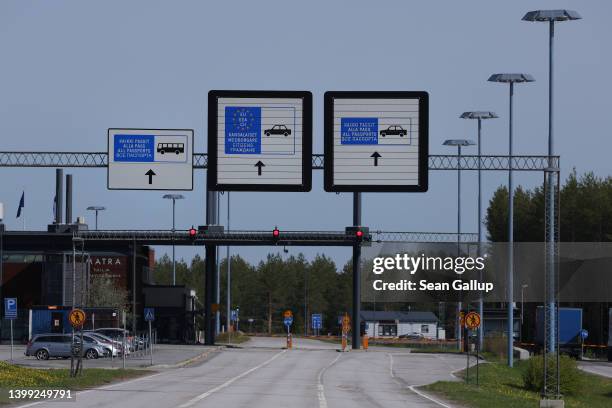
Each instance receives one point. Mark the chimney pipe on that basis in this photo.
(59, 187)
(68, 198)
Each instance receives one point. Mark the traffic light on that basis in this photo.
(360, 234)
(275, 233)
(193, 233)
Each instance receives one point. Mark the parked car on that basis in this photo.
(108, 344)
(412, 336)
(278, 130)
(44, 346)
(116, 334)
(394, 130)
(117, 345)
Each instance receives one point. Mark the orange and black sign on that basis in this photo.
(76, 318)
(472, 320)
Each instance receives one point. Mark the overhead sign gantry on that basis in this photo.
(376, 141)
(259, 140)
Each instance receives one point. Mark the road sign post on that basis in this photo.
(288, 321)
(317, 322)
(150, 159)
(77, 318)
(259, 140)
(149, 314)
(471, 321)
(10, 313)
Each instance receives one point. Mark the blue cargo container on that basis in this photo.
(570, 325)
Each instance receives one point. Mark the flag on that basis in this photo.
(21, 204)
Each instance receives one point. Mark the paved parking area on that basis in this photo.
(164, 355)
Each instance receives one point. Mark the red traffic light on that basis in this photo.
(275, 233)
(192, 232)
(359, 234)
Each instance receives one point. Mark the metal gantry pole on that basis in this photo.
(356, 334)
(210, 284)
(173, 246)
(134, 286)
(217, 271)
(479, 219)
(510, 272)
(229, 272)
(97, 223)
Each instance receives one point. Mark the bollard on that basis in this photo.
(365, 342)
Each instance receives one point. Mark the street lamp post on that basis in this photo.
(173, 197)
(510, 79)
(480, 116)
(96, 208)
(459, 143)
(551, 17)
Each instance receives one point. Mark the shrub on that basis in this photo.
(496, 343)
(533, 375)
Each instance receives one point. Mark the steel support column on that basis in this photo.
(210, 279)
(356, 322)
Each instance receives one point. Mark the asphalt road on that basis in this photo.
(263, 375)
(603, 368)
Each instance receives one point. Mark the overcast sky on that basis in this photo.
(71, 69)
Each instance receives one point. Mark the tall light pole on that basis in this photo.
(480, 116)
(173, 197)
(459, 143)
(96, 208)
(510, 79)
(551, 17)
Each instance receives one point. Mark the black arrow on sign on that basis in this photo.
(259, 165)
(150, 173)
(375, 155)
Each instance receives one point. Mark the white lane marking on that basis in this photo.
(412, 387)
(320, 387)
(229, 382)
(101, 388)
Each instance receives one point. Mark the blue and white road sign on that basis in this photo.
(584, 334)
(288, 321)
(149, 314)
(234, 315)
(10, 308)
(260, 141)
(317, 321)
(149, 159)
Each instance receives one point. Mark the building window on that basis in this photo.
(424, 328)
(387, 330)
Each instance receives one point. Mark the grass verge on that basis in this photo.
(236, 338)
(17, 377)
(502, 387)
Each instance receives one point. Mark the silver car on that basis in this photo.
(44, 346)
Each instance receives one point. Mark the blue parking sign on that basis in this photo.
(10, 308)
(149, 314)
(317, 322)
